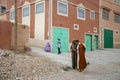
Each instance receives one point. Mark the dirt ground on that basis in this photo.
(104, 65)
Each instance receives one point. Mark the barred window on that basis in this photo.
(116, 18)
(105, 14)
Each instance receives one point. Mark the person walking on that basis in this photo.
(81, 60)
(59, 46)
(74, 53)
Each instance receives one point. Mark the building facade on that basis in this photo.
(64, 19)
(109, 23)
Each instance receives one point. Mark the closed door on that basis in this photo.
(88, 42)
(62, 34)
(95, 42)
(108, 38)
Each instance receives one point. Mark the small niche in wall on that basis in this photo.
(76, 27)
(117, 32)
(94, 29)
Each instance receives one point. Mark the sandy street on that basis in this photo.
(40, 65)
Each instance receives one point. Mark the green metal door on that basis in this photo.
(108, 38)
(56, 35)
(88, 42)
(95, 42)
(63, 35)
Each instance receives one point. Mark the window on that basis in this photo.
(117, 1)
(81, 13)
(105, 14)
(62, 8)
(11, 15)
(26, 11)
(39, 8)
(116, 18)
(2, 9)
(92, 15)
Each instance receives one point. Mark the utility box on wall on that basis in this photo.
(7, 35)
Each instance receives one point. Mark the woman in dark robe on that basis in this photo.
(74, 53)
(81, 60)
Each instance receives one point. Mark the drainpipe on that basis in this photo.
(50, 23)
(100, 26)
(15, 26)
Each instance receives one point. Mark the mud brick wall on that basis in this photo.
(5, 34)
(23, 37)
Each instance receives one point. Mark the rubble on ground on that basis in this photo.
(26, 67)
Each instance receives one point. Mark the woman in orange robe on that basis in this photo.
(81, 60)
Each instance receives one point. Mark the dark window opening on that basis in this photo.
(2, 9)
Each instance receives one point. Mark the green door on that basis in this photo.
(95, 42)
(88, 42)
(56, 35)
(108, 38)
(63, 35)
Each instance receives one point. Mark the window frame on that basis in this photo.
(84, 13)
(23, 9)
(59, 13)
(12, 11)
(117, 17)
(93, 18)
(108, 16)
(43, 7)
